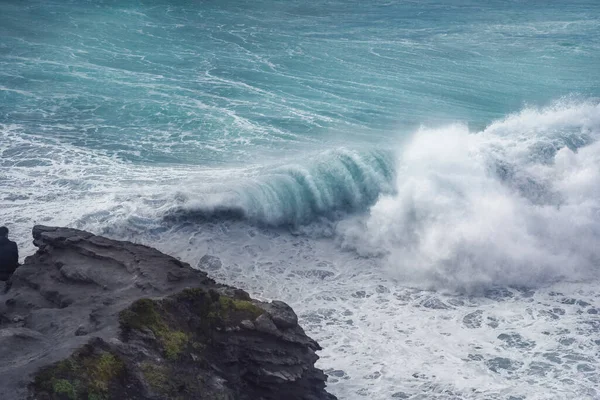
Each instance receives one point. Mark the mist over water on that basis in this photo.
(419, 180)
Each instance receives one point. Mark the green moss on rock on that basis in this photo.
(229, 305)
(140, 315)
(102, 370)
(174, 342)
(210, 310)
(146, 314)
(174, 383)
(87, 374)
(64, 387)
(156, 376)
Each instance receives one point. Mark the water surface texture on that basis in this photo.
(420, 180)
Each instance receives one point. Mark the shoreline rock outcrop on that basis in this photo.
(87, 317)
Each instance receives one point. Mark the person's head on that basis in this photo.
(3, 231)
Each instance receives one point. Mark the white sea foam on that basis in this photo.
(515, 204)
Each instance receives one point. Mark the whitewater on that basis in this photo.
(419, 180)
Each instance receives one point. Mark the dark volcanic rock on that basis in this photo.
(88, 317)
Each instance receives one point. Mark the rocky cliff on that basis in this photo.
(91, 318)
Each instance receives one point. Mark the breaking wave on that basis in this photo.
(515, 204)
(331, 184)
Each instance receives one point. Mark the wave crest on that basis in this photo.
(331, 183)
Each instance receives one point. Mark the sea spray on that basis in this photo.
(514, 204)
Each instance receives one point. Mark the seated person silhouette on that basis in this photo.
(9, 255)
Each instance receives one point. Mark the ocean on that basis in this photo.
(419, 180)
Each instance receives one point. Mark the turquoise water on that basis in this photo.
(231, 82)
(362, 160)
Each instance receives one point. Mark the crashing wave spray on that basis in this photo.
(515, 204)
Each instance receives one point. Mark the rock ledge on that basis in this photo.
(91, 318)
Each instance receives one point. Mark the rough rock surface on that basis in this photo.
(92, 318)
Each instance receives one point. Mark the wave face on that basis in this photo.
(326, 186)
(515, 204)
